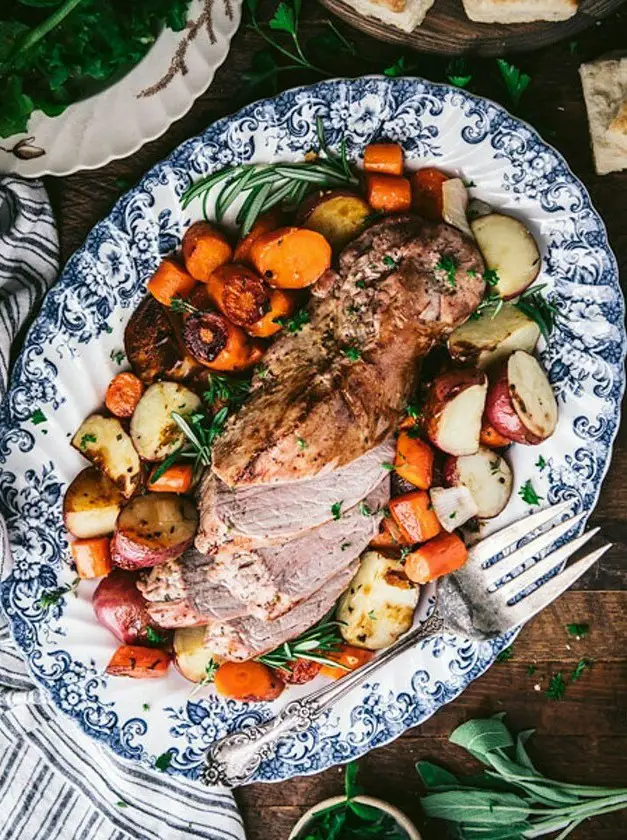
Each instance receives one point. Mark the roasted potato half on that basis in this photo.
(103, 441)
(154, 432)
(509, 249)
(339, 216)
(91, 505)
(379, 604)
(191, 655)
(488, 340)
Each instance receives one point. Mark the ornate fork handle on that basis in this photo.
(233, 760)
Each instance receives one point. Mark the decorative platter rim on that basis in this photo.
(81, 324)
(153, 95)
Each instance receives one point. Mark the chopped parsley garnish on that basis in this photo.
(506, 655)
(413, 410)
(495, 466)
(372, 615)
(540, 463)
(163, 761)
(38, 417)
(117, 356)
(361, 284)
(469, 184)
(580, 667)
(452, 515)
(146, 707)
(336, 509)
(580, 631)
(389, 261)
(180, 306)
(53, 596)
(302, 443)
(211, 669)
(107, 328)
(345, 545)
(448, 265)
(491, 277)
(557, 687)
(516, 83)
(226, 389)
(387, 466)
(153, 637)
(471, 272)
(352, 353)
(364, 509)
(88, 438)
(457, 72)
(296, 322)
(528, 494)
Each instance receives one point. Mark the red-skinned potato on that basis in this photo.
(121, 608)
(487, 476)
(521, 404)
(453, 410)
(152, 529)
(338, 215)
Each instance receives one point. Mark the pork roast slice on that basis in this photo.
(197, 589)
(256, 516)
(245, 638)
(337, 388)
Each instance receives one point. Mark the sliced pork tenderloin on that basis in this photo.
(266, 515)
(245, 638)
(196, 589)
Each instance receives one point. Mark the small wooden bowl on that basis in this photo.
(401, 819)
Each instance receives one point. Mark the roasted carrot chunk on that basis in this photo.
(138, 662)
(427, 192)
(384, 158)
(218, 343)
(92, 557)
(390, 536)
(205, 248)
(439, 556)
(388, 193)
(267, 222)
(176, 479)
(170, 281)
(348, 656)
(490, 437)
(414, 516)
(414, 461)
(291, 257)
(251, 681)
(123, 394)
(282, 305)
(239, 293)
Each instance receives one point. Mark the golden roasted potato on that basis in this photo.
(91, 505)
(339, 216)
(103, 441)
(154, 432)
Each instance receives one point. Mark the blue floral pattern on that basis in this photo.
(82, 323)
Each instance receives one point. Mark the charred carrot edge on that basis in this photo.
(265, 224)
(282, 305)
(170, 281)
(384, 158)
(291, 257)
(388, 193)
(124, 392)
(427, 192)
(92, 557)
(491, 438)
(350, 657)
(252, 681)
(176, 479)
(239, 293)
(138, 662)
(205, 248)
(414, 515)
(439, 556)
(414, 461)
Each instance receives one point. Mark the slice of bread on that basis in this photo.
(519, 11)
(404, 14)
(604, 85)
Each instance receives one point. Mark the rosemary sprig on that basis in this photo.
(265, 186)
(310, 645)
(180, 306)
(200, 437)
(226, 389)
(539, 309)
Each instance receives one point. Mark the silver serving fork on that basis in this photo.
(479, 602)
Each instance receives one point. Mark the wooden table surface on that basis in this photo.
(583, 737)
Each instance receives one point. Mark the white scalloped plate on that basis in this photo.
(140, 107)
(66, 364)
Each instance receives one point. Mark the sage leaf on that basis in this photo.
(434, 777)
(476, 806)
(521, 753)
(481, 737)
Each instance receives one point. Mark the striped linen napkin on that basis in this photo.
(56, 783)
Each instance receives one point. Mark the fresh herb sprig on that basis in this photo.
(350, 819)
(510, 799)
(263, 187)
(310, 645)
(296, 322)
(226, 389)
(200, 435)
(515, 81)
(51, 597)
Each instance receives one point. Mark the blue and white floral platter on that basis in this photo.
(67, 362)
